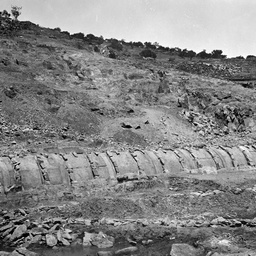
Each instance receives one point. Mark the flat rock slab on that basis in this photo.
(184, 250)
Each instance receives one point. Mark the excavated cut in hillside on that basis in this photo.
(57, 89)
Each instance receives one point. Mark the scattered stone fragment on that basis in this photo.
(130, 249)
(87, 238)
(19, 232)
(8, 226)
(184, 250)
(219, 221)
(102, 240)
(51, 240)
(104, 253)
(127, 126)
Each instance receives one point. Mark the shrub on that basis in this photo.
(147, 53)
(9, 26)
(135, 76)
(149, 45)
(78, 35)
(16, 12)
(94, 39)
(96, 48)
(114, 44)
(138, 44)
(204, 55)
(216, 54)
(251, 57)
(57, 29)
(239, 57)
(112, 55)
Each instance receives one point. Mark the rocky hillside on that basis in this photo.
(58, 89)
(106, 152)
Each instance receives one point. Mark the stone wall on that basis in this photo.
(73, 168)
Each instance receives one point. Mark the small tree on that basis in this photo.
(138, 44)
(112, 55)
(79, 35)
(16, 12)
(149, 45)
(8, 26)
(183, 53)
(203, 55)
(114, 44)
(239, 57)
(191, 54)
(216, 54)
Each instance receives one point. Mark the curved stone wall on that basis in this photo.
(78, 169)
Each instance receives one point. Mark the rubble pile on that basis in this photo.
(235, 118)
(225, 119)
(209, 69)
(213, 115)
(16, 229)
(204, 125)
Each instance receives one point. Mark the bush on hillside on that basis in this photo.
(186, 53)
(147, 53)
(138, 44)
(149, 45)
(217, 54)
(114, 44)
(204, 55)
(57, 29)
(90, 38)
(79, 35)
(251, 57)
(9, 26)
(112, 55)
(239, 57)
(16, 12)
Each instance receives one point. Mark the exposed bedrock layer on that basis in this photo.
(74, 168)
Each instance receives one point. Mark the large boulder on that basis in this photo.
(100, 240)
(51, 240)
(88, 238)
(184, 250)
(18, 232)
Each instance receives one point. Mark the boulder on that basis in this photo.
(18, 232)
(61, 238)
(102, 240)
(220, 244)
(88, 238)
(219, 221)
(184, 250)
(51, 240)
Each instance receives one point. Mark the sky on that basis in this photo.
(228, 25)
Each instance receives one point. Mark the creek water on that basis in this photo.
(158, 248)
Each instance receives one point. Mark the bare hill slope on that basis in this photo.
(57, 90)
